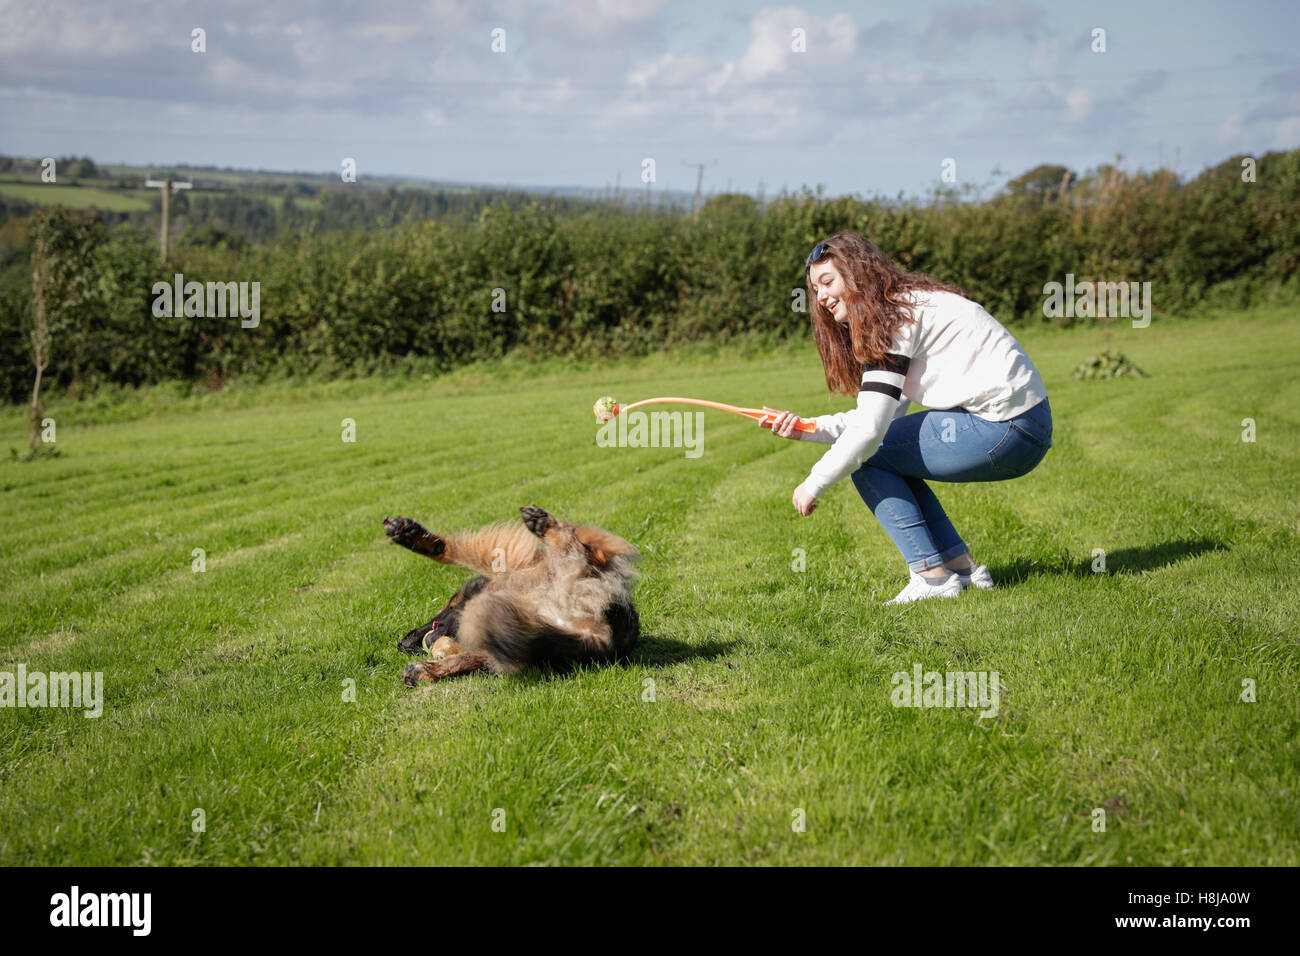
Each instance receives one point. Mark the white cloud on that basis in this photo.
(1044, 58)
(956, 24)
(1079, 102)
(831, 41)
(596, 17)
(58, 26)
(450, 13)
(641, 77)
(770, 42)
(842, 34)
(720, 78)
(1230, 129)
(1287, 135)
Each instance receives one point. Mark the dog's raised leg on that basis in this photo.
(538, 521)
(598, 545)
(489, 551)
(414, 536)
(553, 534)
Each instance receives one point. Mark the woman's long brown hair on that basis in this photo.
(873, 294)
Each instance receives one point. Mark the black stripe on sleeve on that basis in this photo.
(893, 391)
(891, 362)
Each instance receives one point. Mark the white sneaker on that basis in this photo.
(978, 576)
(918, 589)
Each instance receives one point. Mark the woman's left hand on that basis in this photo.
(781, 423)
(804, 503)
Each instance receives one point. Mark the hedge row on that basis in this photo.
(606, 280)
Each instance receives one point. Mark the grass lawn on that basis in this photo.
(121, 200)
(227, 691)
(77, 197)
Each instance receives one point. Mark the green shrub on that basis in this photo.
(592, 280)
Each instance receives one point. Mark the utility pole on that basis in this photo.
(168, 186)
(699, 178)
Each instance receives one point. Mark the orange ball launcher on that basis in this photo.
(606, 408)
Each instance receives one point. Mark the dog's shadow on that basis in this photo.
(652, 651)
(1118, 561)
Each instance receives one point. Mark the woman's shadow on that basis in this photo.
(1118, 561)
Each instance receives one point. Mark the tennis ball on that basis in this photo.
(605, 408)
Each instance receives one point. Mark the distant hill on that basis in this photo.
(18, 176)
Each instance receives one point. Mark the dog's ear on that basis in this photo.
(601, 546)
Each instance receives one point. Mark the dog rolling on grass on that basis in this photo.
(548, 594)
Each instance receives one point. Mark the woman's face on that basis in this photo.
(828, 287)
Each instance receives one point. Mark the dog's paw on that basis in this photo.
(413, 535)
(420, 671)
(536, 520)
(403, 530)
(428, 671)
(452, 666)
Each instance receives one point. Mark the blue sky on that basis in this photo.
(586, 90)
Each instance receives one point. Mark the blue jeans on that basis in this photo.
(949, 444)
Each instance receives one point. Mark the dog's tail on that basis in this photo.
(514, 638)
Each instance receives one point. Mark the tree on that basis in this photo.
(78, 167)
(62, 280)
(729, 206)
(1044, 183)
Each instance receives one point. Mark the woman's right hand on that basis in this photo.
(781, 423)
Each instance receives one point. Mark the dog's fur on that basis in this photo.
(548, 593)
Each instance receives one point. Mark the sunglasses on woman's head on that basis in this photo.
(818, 252)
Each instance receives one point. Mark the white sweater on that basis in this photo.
(954, 355)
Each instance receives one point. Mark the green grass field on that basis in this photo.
(78, 197)
(225, 691)
(115, 200)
